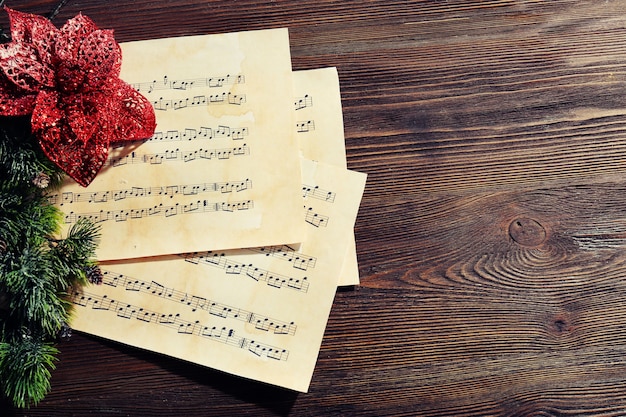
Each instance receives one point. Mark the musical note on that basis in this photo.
(242, 299)
(174, 321)
(247, 302)
(305, 126)
(103, 303)
(195, 303)
(178, 156)
(234, 206)
(187, 84)
(164, 191)
(260, 349)
(200, 133)
(146, 316)
(315, 219)
(318, 193)
(203, 206)
(164, 104)
(126, 312)
(236, 268)
(285, 253)
(303, 102)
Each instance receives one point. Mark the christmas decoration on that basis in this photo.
(61, 105)
(68, 79)
(35, 268)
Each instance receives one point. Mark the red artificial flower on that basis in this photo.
(68, 80)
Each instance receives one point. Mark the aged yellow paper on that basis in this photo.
(319, 127)
(221, 171)
(319, 116)
(257, 313)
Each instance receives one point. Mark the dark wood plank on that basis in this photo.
(492, 234)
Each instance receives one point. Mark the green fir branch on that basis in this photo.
(21, 158)
(72, 255)
(26, 364)
(36, 266)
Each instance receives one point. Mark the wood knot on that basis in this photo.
(560, 325)
(527, 232)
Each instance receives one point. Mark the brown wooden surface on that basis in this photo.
(492, 234)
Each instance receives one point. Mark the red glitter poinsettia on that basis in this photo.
(67, 79)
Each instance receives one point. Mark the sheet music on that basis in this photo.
(258, 313)
(319, 127)
(318, 115)
(221, 170)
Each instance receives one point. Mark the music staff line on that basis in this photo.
(199, 206)
(318, 193)
(305, 126)
(187, 84)
(285, 253)
(303, 102)
(200, 133)
(163, 104)
(177, 155)
(174, 321)
(315, 219)
(161, 191)
(260, 322)
(272, 279)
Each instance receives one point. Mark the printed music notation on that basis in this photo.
(163, 104)
(199, 206)
(174, 321)
(219, 260)
(303, 102)
(315, 219)
(285, 253)
(241, 300)
(200, 133)
(317, 193)
(305, 126)
(194, 302)
(187, 84)
(177, 155)
(138, 192)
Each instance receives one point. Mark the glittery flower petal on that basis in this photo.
(26, 27)
(13, 102)
(136, 119)
(38, 33)
(80, 153)
(82, 115)
(45, 49)
(46, 114)
(27, 60)
(22, 66)
(100, 57)
(71, 35)
(69, 80)
(80, 163)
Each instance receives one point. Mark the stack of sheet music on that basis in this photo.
(224, 236)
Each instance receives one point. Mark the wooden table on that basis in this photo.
(492, 233)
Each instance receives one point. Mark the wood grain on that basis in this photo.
(492, 234)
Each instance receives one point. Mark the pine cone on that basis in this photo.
(41, 180)
(94, 274)
(65, 333)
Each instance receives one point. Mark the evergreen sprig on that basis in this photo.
(25, 369)
(36, 267)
